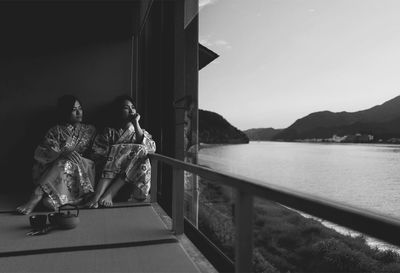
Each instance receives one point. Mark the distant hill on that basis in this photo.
(262, 133)
(381, 121)
(214, 129)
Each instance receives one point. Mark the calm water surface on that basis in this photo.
(362, 175)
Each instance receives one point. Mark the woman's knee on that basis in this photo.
(63, 164)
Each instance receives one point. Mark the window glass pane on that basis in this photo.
(314, 86)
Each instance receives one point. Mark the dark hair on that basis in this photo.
(118, 101)
(65, 104)
(117, 106)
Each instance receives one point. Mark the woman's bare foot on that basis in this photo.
(29, 206)
(106, 200)
(26, 208)
(107, 197)
(100, 189)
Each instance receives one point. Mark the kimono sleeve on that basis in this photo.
(148, 142)
(49, 150)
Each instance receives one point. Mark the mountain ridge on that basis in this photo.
(261, 134)
(215, 129)
(378, 121)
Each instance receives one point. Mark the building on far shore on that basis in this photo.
(363, 138)
(356, 138)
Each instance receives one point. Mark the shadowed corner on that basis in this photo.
(17, 166)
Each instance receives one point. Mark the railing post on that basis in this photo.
(154, 179)
(177, 201)
(195, 200)
(244, 232)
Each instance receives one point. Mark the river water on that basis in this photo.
(362, 175)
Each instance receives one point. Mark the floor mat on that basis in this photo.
(97, 227)
(152, 258)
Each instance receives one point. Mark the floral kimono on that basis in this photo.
(122, 157)
(66, 182)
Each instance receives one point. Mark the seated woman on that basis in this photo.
(123, 150)
(61, 172)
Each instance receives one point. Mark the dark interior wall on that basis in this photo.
(47, 50)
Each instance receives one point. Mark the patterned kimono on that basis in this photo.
(66, 182)
(122, 157)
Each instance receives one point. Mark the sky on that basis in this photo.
(281, 60)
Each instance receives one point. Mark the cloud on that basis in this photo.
(220, 43)
(223, 43)
(207, 42)
(204, 3)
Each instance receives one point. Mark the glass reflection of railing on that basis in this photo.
(369, 223)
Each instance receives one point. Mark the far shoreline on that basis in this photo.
(208, 145)
(328, 142)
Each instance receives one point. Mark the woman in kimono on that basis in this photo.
(62, 172)
(123, 150)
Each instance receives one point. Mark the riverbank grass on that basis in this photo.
(285, 241)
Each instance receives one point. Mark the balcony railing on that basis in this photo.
(366, 222)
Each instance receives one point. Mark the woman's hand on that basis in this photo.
(135, 118)
(73, 156)
(138, 129)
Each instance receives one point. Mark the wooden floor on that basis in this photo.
(122, 239)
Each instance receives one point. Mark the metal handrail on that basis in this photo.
(380, 227)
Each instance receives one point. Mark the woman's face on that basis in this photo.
(128, 110)
(77, 113)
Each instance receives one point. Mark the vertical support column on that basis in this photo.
(191, 112)
(179, 92)
(244, 232)
(154, 179)
(135, 67)
(195, 121)
(177, 202)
